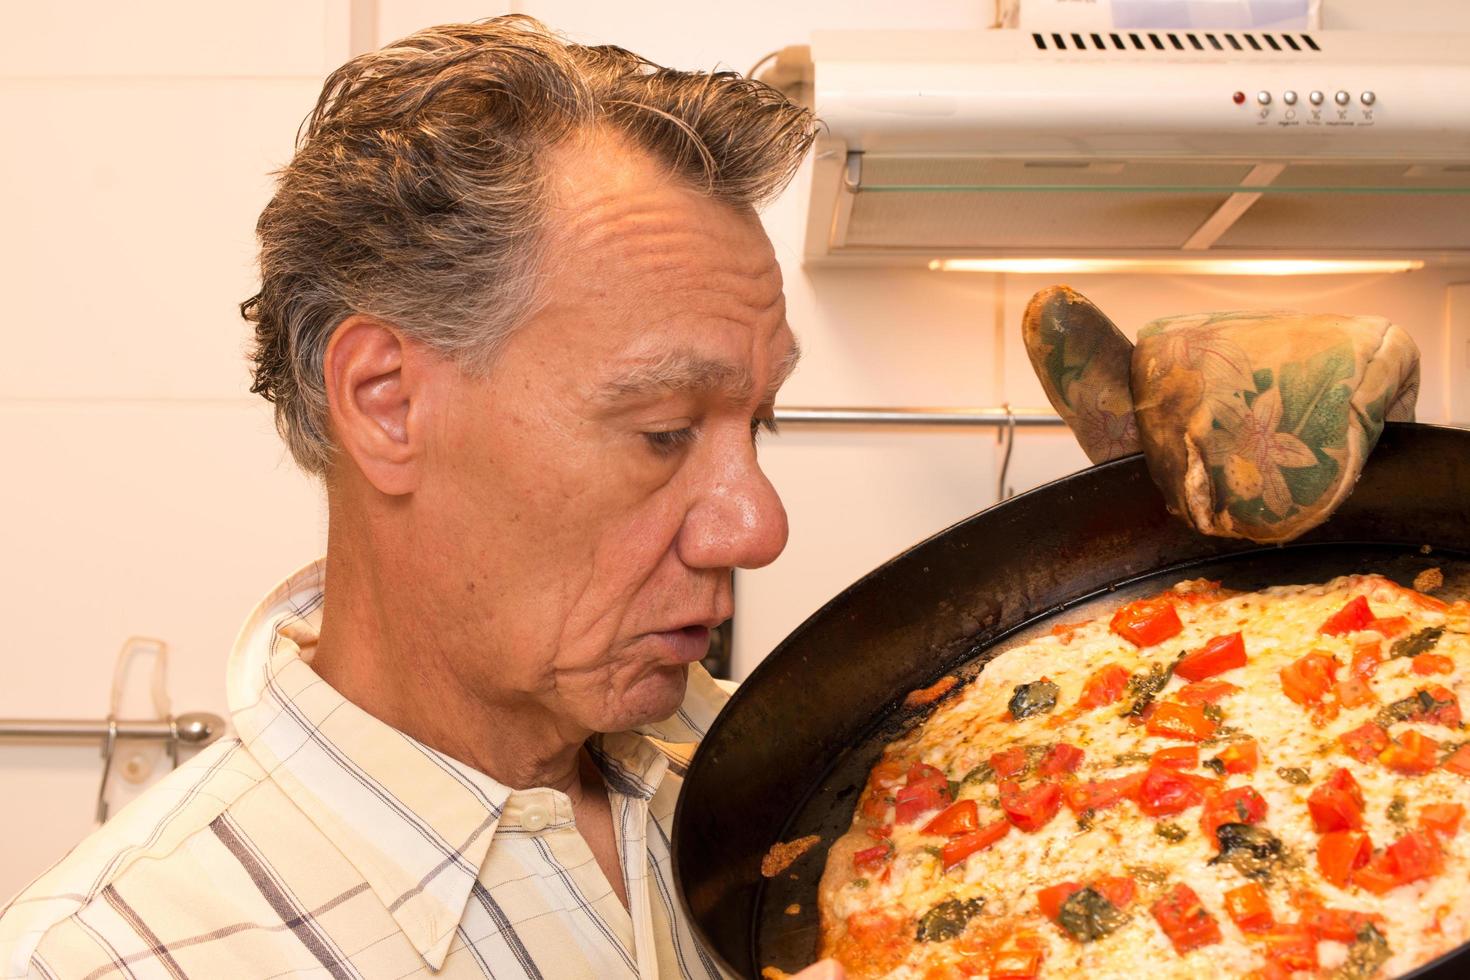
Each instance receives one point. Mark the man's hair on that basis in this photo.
(418, 191)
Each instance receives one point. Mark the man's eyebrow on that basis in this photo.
(785, 367)
(681, 370)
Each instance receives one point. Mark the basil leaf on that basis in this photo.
(948, 919)
(1033, 699)
(1252, 850)
(1367, 953)
(1086, 916)
(1417, 643)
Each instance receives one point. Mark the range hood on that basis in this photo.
(1167, 144)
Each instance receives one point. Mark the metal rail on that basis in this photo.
(195, 728)
(985, 417)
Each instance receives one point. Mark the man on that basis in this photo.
(518, 313)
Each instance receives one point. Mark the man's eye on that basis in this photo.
(670, 441)
(757, 425)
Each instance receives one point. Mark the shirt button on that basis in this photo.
(535, 817)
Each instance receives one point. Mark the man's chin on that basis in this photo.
(654, 698)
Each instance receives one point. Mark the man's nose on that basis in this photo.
(737, 520)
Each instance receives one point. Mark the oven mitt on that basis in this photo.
(1254, 424)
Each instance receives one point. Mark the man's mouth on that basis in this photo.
(685, 645)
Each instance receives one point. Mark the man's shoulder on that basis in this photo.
(153, 828)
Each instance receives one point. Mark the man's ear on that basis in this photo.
(373, 382)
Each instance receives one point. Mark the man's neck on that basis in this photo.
(386, 659)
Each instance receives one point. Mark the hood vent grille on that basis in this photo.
(1170, 42)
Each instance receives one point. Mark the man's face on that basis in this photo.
(590, 497)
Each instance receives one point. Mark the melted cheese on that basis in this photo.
(1279, 625)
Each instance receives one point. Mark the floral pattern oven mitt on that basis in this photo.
(1254, 424)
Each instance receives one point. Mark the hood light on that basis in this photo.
(1187, 267)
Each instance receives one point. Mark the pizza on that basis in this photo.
(1201, 783)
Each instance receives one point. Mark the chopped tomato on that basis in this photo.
(1105, 686)
(1243, 802)
(1249, 908)
(1442, 818)
(1207, 785)
(1184, 920)
(1059, 759)
(958, 818)
(1337, 804)
(1354, 616)
(1365, 742)
(1338, 925)
(1147, 622)
(1291, 947)
(1342, 852)
(1100, 794)
(1309, 677)
(1239, 805)
(1217, 656)
(1050, 899)
(872, 858)
(875, 805)
(882, 832)
(888, 774)
(1033, 808)
(1413, 856)
(1353, 692)
(1366, 659)
(1173, 720)
(921, 771)
(1117, 889)
(1240, 756)
(1446, 710)
(1165, 792)
(1416, 855)
(1204, 692)
(963, 846)
(927, 789)
(1177, 757)
(1377, 876)
(1009, 762)
(1411, 753)
(1433, 663)
(884, 778)
(1459, 761)
(1015, 964)
(1390, 627)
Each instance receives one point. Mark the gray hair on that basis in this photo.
(417, 193)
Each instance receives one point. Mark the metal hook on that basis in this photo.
(1009, 435)
(173, 741)
(109, 745)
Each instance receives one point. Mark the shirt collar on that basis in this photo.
(415, 823)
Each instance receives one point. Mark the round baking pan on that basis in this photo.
(790, 753)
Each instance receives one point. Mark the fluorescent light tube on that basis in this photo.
(1187, 267)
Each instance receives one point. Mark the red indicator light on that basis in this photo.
(1238, 98)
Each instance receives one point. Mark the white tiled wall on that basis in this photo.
(145, 491)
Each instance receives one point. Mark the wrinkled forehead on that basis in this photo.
(601, 188)
(644, 262)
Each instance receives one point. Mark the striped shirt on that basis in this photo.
(320, 841)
